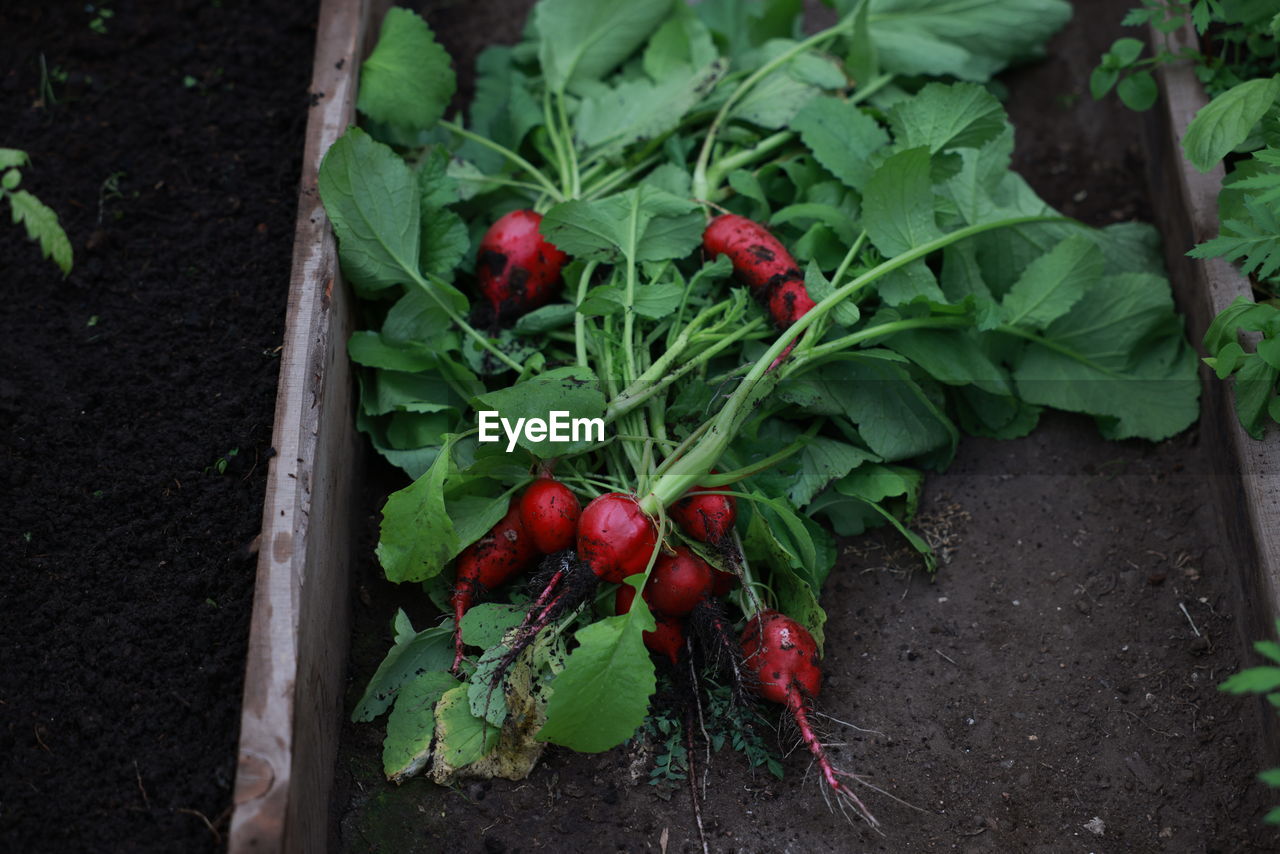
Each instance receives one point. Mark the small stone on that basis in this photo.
(1095, 825)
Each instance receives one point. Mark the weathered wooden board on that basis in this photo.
(299, 633)
(1248, 476)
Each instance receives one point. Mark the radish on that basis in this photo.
(783, 657)
(615, 537)
(764, 265)
(519, 269)
(705, 517)
(678, 582)
(550, 513)
(760, 261)
(667, 639)
(487, 563)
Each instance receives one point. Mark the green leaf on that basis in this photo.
(371, 198)
(600, 698)
(898, 204)
(42, 226)
(574, 390)
(461, 737)
(841, 137)
(1270, 649)
(1126, 50)
(408, 80)
(583, 40)
(412, 723)
(640, 110)
(1101, 80)
(681, 42)
(821, 461)
(1271, 777)
(1255, 384)
(417, 537)
(776, 100)
(1138, 91)
(1227, 121)
(1254, 242)
(485, 624)
(1118, 354)
(12, 158)
(908, 283)
(657, 301)
(445, 242)
(1255, 680)
(942, 117)
(893, 414)
(954, 357)
(644, 224)
(413, 653)
(968, 39)
(545, 319)
(1053, 283)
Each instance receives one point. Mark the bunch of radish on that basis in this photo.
(588, 271)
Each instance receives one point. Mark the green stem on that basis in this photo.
(687, 470)
(848, 259)
(701, 187)
(890, 328)
(746, 157)
(580, 320)
(617, 177)
(642, 389)
(629, 292)
(426, 282)
(533, 171)
(1052, 345)
(557, 144)
(575, 178)
(727, 477)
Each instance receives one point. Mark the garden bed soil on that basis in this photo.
(1053, 689)
(172, 155)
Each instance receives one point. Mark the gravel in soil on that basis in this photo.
(136, 402)
(1053, 689)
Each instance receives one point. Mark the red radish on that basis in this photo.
(706, 517)
(760, 261)
(783, 657)
(615, 537)
(550, 513)
(678, 582)
(789, 302)
(668, 636)
(487, 563)
(722, 582)
(764, 264)
(519, 270)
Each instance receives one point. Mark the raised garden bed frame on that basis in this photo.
(299, 631)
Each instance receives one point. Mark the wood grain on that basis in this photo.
(1248, 478)
(299, 630)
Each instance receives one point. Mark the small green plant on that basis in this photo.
(39, 219)
(1243, 48)
(220, 465)
(101, 14)
(1264, 681)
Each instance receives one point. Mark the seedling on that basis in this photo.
(39, 220)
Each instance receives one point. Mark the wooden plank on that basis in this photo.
(1249, 478)
(299, 632)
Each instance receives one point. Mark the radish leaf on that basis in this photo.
(600, 698)
(408, 80)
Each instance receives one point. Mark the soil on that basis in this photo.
(171, 150)
(1052, 689)
(1060, 668)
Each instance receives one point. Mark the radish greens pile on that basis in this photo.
(949, 299)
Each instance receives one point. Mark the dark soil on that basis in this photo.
(172, 155)
(1052, 690)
